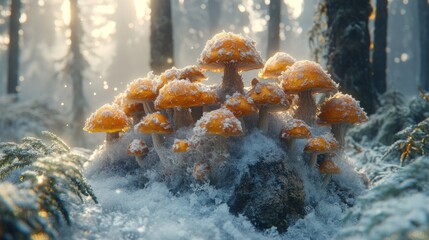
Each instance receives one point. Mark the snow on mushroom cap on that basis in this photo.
(240, 105)
(191, 73)
(276, 64)
(127, 106)
(329, 167)
(137, 148)
(306, 76)
(182, 93)
(141, 89)
(342, 108)
(180, 146)
(295, 128)
(268, 93)
(227, 47)
(108, 118)
(218, 122)
(321, 144)
(154, 123)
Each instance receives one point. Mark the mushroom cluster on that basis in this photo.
(191, 123)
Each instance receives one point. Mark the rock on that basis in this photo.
(270, 195)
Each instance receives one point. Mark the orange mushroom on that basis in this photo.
(180, 146)
(142, 90)
(328, 167)
(139, 150)
(276, 64)
(132, 110)
(230, 53)
(294, 129)
(240, 106)
(341, 110)
(201, 171)
(220, 122)
(320, 145)
(191, 73)
(109, 119)
(305, 78)
(268, 97)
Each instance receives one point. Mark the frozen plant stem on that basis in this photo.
(263, 119)
(148, 108)
(339, 130)
(326, 180)
(306, 108)
(161, 150)
(231, 81)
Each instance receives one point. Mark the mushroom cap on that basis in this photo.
(294, 129)
(108, 118)
(321, 144)
(141, 89)
(180, 146)
(329, 167)
(227, 47)
(268, 94)
(201, 170)
(240, 105)
(342, 108)
(154, 123)
(192, 73)
(127, 106)
(209, 97)
(276, 64)
(219, 122)
(137, 148)
(182, 93)
(306, 76)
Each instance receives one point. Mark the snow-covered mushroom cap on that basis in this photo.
(154, 123)
(240, 105)
(276, 64)
(128, 107)
(180, 146)
(201, 171)
(268, 94)
(108, 118)
(321, 144)
(137, 148)
(183, 93)
(227, 47)
(329, 167)
(294, 129)
(191, 73)
(219, 122)
(141, 89)
(306, 76)
(342, 108)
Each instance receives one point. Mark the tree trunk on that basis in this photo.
(274, 27)
(348, 49)
(161, 36)
(214, 8)
(379, 56)
(13, 55)
(77, 67)
(423, 10)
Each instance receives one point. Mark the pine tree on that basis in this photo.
(379, 56)
(423, 12)
(13, 55)
(274, 11)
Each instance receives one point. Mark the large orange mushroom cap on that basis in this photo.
(180, 146)
(329, 167)
(154, 123)
(108, 118)
(321, 144)
(240, 105)
(219, 122)
(306, 76)
(141, 89)
(137, 148)
(227, 47)
(342, 108)
(268, 94)
(294, 129)
(276, 64)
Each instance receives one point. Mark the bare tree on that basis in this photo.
(214, 8)
(423, 11)
(348, 49)
(13, 55)
(379, 56)
(274, 11)
(161, 36)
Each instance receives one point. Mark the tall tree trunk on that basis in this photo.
(77, 67)
(214, 8)
(348, 49)
(13, 57)
(161, 36)
(274, 11)
(423, 10)
(379, 56)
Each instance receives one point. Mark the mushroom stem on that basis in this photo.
(326, 180)
(137, 117)
(140, 161)
(243, 125)
(182, 117)
(263, 119)
(148, 108)
(231, 81)
(161, 150)
(313, 159)
(112, 137)
(306, 108)
(339, 131)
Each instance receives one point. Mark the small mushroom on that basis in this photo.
(292, 130)
(230, 53)
(201, 171)
(135, 111)
(221, 122)
(142, 90)
(328, 167)
(139, 150)
(180, 146)
(341, 111)
(305, 78)
(109, 119)
(240, 106)
(191, 73)
(320, 145)
(276, 64)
